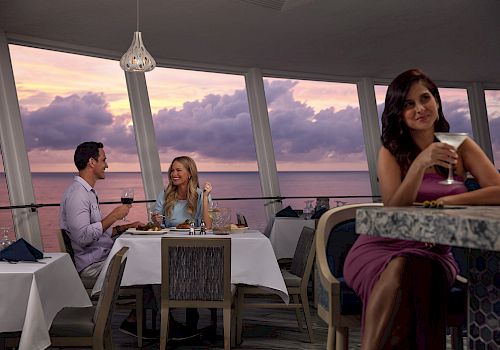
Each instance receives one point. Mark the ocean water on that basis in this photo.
(49, 188)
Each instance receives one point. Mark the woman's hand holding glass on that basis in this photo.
(437, 153)
(156, 218)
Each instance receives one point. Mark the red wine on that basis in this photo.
(127, 200)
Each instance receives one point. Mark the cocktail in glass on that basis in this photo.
(453, 139)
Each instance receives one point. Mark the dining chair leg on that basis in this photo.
(164, 327)
(307, 315)
(296, 301)
(342, 338)
(108, 340)
(139, 314)
(233, 327)
(227, 327)
(330, 341)
(239, 316)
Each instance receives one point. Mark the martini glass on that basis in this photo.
(454, 140)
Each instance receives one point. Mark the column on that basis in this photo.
(263, 141)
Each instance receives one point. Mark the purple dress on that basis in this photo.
(369, 255)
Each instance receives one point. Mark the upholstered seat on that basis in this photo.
(91, 326)
(73, 322)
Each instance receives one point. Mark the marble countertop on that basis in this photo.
(463, 226)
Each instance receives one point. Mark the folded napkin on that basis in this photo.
(317, 213)
(287, 212)
(20, 250)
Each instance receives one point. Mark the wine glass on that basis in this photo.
(127, 197)
(5, 240)
(308, 209)
(454, 140)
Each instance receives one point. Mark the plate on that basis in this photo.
(239, 229)
(140, 232)
(175, 229)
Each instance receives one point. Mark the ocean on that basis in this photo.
(49, 188)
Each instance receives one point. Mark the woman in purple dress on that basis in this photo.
(403, 284)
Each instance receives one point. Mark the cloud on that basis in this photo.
(68, 121)
(218, 127)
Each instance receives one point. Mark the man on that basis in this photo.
(80, 215)
(81, 218)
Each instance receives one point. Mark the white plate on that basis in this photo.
(139, 232)
(239, 229)
(175, 229)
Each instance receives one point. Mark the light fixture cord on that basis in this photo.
(137, 15)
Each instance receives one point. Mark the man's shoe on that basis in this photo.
(130, 328)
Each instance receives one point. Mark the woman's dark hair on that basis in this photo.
(396, 136)
(85, 151)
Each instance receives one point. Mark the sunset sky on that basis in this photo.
(66, 99)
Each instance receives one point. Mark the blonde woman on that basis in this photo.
(183, 199)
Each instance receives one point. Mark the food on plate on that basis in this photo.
(148, 227)
(185, 224)
(433, 204)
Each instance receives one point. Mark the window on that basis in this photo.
(455, 107)
(5, 214)
(380, 92)
(493, 109)
(206, 116)
(318, 140)
(66, 99)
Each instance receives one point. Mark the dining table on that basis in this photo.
(475, 227)
(32, 293)
(285, 233)
(253, 261)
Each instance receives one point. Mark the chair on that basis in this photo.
(338, 304)
(296, 281)
(91, 326)
(196, 272)
(134, 294)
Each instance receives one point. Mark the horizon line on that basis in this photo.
(225, 171)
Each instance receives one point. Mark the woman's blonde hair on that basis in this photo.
(171, 195)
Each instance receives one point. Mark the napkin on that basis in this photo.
(317, 214)
(287, 212)
(20, 250)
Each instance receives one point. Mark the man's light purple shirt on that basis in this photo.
(81, 217)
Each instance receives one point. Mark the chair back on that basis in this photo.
(335, 234)
(109, 293)
(196, 270)
(66, 244)
(304, 254)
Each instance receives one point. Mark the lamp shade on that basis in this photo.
(137, 58)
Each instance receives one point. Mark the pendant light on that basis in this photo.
(137, 58)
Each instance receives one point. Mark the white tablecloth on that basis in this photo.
(252, 261)
(285, 235)
(31, 294)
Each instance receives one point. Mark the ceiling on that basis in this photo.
(452, 40)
